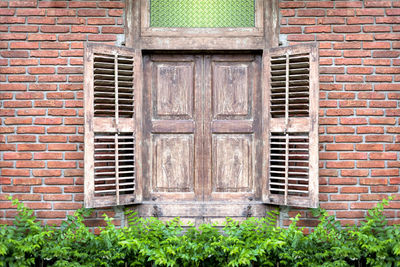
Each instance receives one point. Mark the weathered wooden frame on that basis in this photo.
(140, 35)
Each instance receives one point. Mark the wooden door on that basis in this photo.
(232, 128)
(202, 131)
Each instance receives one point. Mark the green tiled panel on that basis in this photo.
(201, 13)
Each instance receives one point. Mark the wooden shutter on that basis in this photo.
(112, 93)
(291, 126)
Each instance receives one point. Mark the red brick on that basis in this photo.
(15, 172)
(360, 37)
(376, 62)
(17, 121)
(56, 4)
(69, 21)
(46, 173)
(31, 112)
(340, 12)
(344, 198)
(53, 139)
(80, 4)
(354, 173)
(45, 20)
(47, 53)
(41, 70)
(348, 139)
(12, 20)
(388, 20)
(30, 129)
(21, 138)
(330, 37)
(100, 21)
(378, 138)
(54, 29)
(72, 37)
(31, 12)
(31, 147)
(339, 147)
(59, 181)
(347, 61)
(27, 181)
(16, 188)
(92, 13)
(369, 130)
(57, 197)
(352, 103)
(50, 214)
(23, 62)
(358, 20)
(67, 206)
(376, 28)
(16, 156)
(341, 46)
(371, 95)
(41, 37)
(122, 5)
(340, 164)
(386, 54)
(385, 172)
(383, 156)
(120, 12)
(61, 12)
(62, 147)
(24, 28)
(369, 112)
(370, 164)
(360, 70)
(354, 190)
(346, 29)
(334, 206)
(48, 121)
(12, 70)
(48, 103)
(87, 29)
(50, 45)
(47, 155)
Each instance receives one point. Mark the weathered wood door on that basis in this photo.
(202, 130)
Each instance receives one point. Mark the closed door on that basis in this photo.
(202, 132)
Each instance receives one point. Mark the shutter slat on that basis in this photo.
(112, 79)
(291, 136)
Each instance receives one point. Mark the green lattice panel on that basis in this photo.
(202, 13)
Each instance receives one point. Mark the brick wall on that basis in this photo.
(359, 101)
(41, 100)
(41, 73)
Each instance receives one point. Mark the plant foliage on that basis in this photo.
(151, 242)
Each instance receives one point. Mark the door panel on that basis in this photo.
(230, 84)
(231, 127)
(232, 163)
(171, 113)
(173, 159)
(174, 90)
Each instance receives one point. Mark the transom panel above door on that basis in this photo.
(202, 130)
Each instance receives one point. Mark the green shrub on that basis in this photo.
(150, 242)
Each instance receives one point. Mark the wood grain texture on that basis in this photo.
(292, 131)
(110, 134)
(173, 163)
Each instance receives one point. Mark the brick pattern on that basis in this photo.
(41, 123)
(41, 139)
(359, 108)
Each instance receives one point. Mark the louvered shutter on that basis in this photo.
(291, 126)
(112, 91)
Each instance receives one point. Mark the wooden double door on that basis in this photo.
(202, 130)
